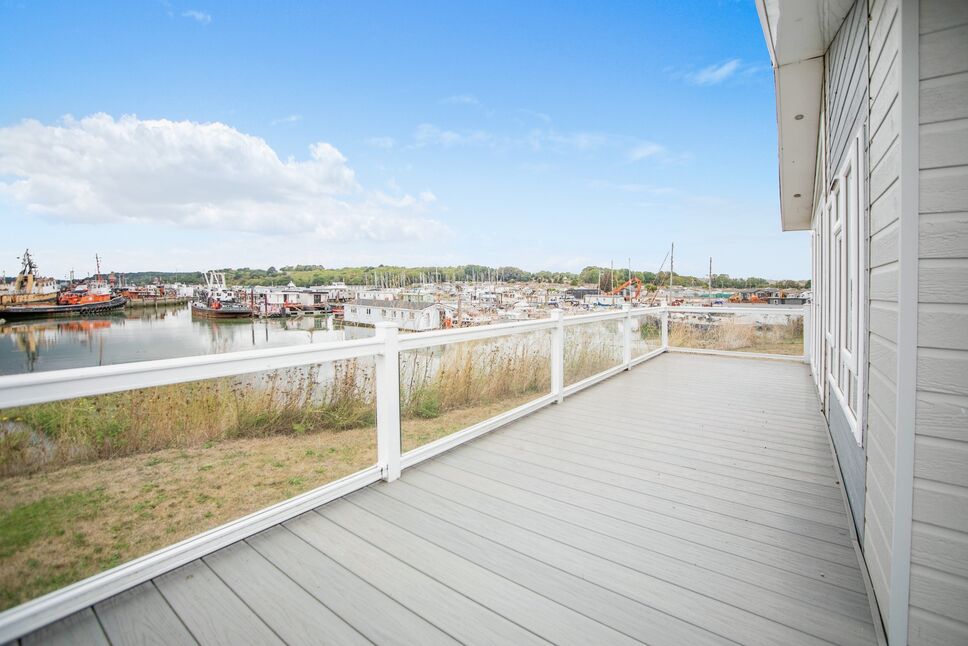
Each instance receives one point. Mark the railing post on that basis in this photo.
(558, 356)
(807, 323)
(665, 327)
(388, 402)
(627, 337)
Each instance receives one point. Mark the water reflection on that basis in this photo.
(150, 333)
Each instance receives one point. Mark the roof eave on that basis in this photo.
(799, 88)
(797, 34)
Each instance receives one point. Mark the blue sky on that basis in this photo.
(546, 135)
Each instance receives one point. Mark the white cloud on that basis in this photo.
(428, 134)
(461, 99)
(292, 118)
(715, 74)
(380, 142)
(197, 175)
(645, 150)
(197, 16)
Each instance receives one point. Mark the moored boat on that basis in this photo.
(28, 287)
(218, 310)
(21, 312)
(219, 302)
(94, 297)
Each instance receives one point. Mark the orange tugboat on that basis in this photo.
(94, 297)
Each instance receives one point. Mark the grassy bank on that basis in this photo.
(62, 525)
(288, 402)
(437, 381)
(727, 334)
(92, 483)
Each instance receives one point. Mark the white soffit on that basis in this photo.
(797, 34)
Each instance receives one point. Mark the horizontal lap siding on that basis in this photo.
(884, 169)
(845, 109)
(939, 547)
(881, 71)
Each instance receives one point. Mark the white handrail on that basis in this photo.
(39, 387)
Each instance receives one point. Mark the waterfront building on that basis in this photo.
(407, 315)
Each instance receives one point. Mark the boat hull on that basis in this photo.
(26, 299)
(19, 313)
(205, 312)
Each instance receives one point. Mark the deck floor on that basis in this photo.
(692, 500)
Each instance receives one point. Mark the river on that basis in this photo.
(150, 333)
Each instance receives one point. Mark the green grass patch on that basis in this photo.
(50, 516)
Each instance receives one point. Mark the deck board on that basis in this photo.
(294, 614)
(142, 616)
(353, 599)
(502, 595)
(784, 552)
(693, 500)
(672, 551)
(459, 616)
(80, 628)
(210, 610)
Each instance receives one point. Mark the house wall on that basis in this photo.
(851, 460)
(884, 198)
(428, 319)
(939, 540)
(845, 110)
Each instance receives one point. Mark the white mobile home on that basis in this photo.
(872, 113)
(406, 314)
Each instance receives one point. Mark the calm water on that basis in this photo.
(144, 334)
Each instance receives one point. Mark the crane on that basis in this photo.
(628, 283)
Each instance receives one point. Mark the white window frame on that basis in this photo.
(844, 261)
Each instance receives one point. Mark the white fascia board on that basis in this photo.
(797, 33)
(799, 88)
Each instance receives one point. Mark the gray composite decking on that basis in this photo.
(692, 500)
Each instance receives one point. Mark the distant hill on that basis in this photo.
(306, 275)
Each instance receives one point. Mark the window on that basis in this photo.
(843, 258)
(411, 316)
(352, 310)
(368, 312)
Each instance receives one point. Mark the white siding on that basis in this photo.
(939, 550)
(405, 318)
(884, 168)
(845, 111)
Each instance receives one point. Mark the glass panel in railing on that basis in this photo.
(448, 388)
(755, 330)
(646, 333)
(94, 482)
(591, 348)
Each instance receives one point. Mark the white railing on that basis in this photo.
(385, 348)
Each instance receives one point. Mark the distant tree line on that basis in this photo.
(395, 276)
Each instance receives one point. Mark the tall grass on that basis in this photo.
(294, 401)
(592, 348)
(646, 334)
(441, 379)
(724, 332)
(282, 402)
